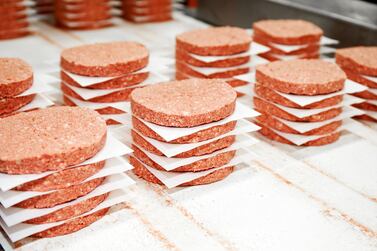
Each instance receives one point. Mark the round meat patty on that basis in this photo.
(49, 139)
(105, 59)
(359, 59)
(197, 166)
(106, 110)
(14, 33)
(72, 225)
(214, 41)
(325, 140)
(12, 104)
(220, 72)
(183, 56)
(146, 10)
(288, 31)
(69, 212)
(365, 95)
(147, 4)
(366, 106)
(61, 196)
(91, 25)
(202, 135)
(116, 96)
(265, 107)
(62, 179)
(114, 83)
(276, 98)
(231, 81)
(198, 151)
(308, 49)
(302, 76)
(365, 117)
(85, 18)
(141, 171)
(161, 17)
(274, 57)
(276, 124)
(16, 76)
(360, 79)
(184, 103)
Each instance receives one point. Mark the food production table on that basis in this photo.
(289, 198)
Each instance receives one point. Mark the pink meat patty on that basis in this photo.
(301, 77)
(49, 139)
(215, 41)
(288, 31)
(184, 103)
(16, 76)
(105, 59)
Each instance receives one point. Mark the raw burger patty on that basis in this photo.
(288, 31)
(310, 48)
(184, 103)
(198, 151)
(365, 117)
(366, 106)
(301, 77)
(276, 124)
(94, 14)
(142, 172)
(91, 25)
(148, 3)
(49, 139)
(146, 11)
(16, 76)
(79, 7)
(182, 55)
(14, 34)
(220, 72)
(274, 57)
(61, 196)
(105, 59)
(62, 179)
(106, 110)
(116, 96)
(214, 41)
(197, 166)
(232, 82)
(12, 104)
(202, 135)
(275, 97)
(114, 83)
(328, 139)
(365, 95)
(265, 107)
(360, 59)
(72, 225)
(69, 212)
(360, 79)
(148, 19)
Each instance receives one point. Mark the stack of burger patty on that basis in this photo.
(56, 141)
(195, 105)
(103, 75)
(14, 21)
(360, 65)
(303, 37)
(83, 14)
(142, 11)
(44, 6)
(16, 77)
(230, 45)
(282, 119)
